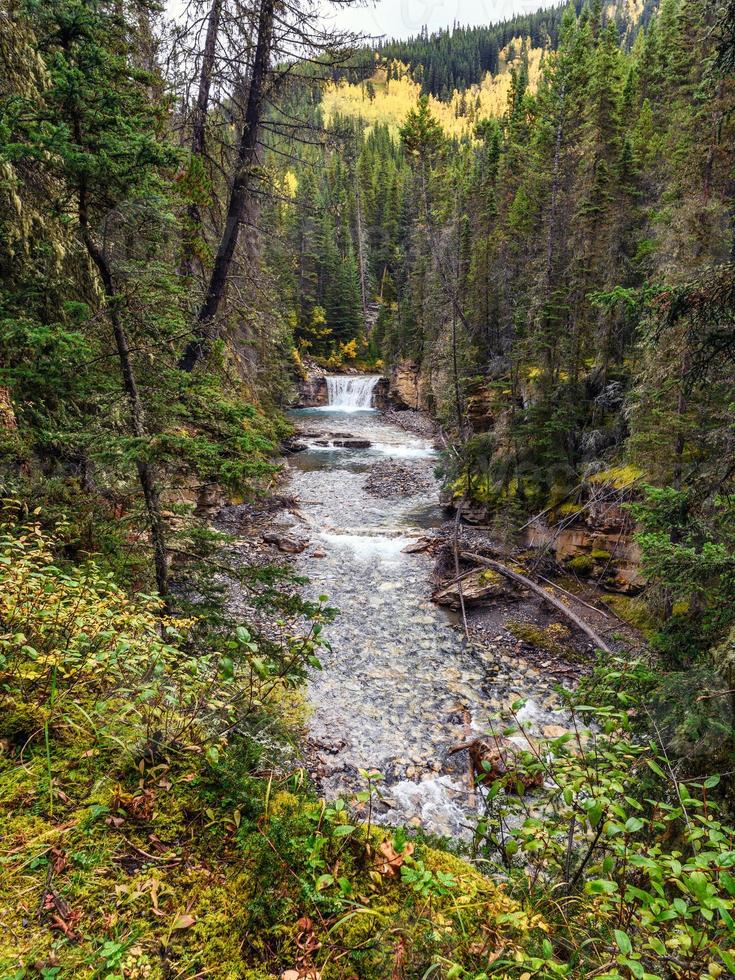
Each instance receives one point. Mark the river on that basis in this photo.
(400, 686)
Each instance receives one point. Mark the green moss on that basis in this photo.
(599, 554)
(617, 476)
(566, 510)
(633, 611)
(581, 565)
(552, 638)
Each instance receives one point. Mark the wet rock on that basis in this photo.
(293, 445)
(417, 547)
(286, 543)
(353, 443)
(318, 553)
(330, 745)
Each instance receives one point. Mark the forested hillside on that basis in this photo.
(557, 270)
(529, 230)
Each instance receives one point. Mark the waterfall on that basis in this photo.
(351, 393)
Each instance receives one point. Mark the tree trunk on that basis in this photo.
(193, 225)
(239, 193)
(361, 253)
(137, 414)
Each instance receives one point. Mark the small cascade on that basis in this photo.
(351, 393)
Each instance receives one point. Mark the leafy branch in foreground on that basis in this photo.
(631, 863)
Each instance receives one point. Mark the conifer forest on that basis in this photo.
(367, 493)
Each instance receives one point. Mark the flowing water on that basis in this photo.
(400, 686)
(351, 393)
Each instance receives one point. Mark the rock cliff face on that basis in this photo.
(311, 387)
(598, 544)
(408, 387)
(312, 391)
(381, 395)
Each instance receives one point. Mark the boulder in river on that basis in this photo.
(418, 547)
(285, 542)
(480, 586)
(294, 445)
(353, 443)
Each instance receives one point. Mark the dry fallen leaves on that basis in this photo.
(184, 922)
(390, 860)
(58, 860)
(308, 944)
(61, 916)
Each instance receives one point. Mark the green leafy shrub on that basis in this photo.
(631, 862)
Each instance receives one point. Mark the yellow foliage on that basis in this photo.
(349, 350)
(394, 99)
(617, 476)
(290, 184)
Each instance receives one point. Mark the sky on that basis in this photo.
(404, 18)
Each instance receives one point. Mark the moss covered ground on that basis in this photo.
(127, 867)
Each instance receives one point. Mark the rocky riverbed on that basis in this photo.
(401, 686)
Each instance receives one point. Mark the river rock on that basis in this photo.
(285, 542)
(478, 587)
(554, 731)
(293, 445)
(417, 547)
(353, 443)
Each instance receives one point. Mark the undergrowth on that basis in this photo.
(156, 822)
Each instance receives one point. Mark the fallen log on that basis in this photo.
(576, 598)
(475, 588)
(532, 587)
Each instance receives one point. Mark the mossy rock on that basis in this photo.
(599, 554)
(19, 722)
(567, 510)
(617, 476)
(581, 565)
(553, 639)
(634, 611)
